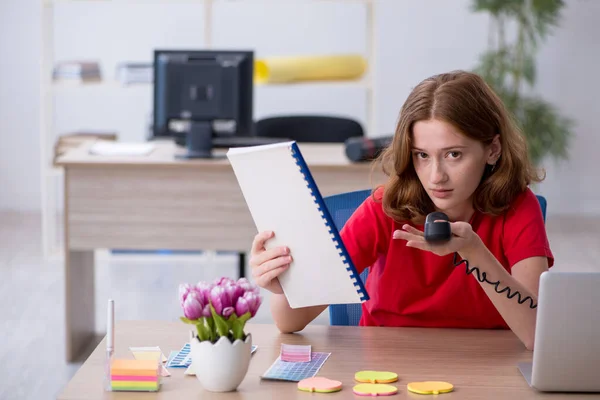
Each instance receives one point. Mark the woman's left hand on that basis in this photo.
(463, 239)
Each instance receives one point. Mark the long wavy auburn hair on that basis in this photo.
(464, 100)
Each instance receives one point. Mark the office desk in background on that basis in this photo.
(481, 364)
(155, 202)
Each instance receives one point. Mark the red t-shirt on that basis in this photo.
(412, 287)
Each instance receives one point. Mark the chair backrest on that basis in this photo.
(543, 205)
(341, 206)
(309, 128)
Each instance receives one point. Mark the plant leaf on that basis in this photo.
(238, 329)
(239, 324)
(203, 332)
(210, 328)
(230, 321)
(220, 324)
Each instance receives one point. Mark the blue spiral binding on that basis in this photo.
(364, 296)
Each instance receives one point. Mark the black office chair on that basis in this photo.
(304, 129)
(309, 128)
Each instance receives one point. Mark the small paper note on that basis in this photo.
(151, 353)
(296, 353)
(147, 353)
(106, 148)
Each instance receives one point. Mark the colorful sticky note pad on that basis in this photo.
(135, 375)
(296, 353)
(319, 384)
(374, 389)
(376, 376)
(430, 387)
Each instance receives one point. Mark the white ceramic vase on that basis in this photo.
(222, 366)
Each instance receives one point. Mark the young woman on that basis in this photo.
(455, 150)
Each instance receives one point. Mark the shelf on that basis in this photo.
(327, 84)
(202, 1)
(106, 84)
(113, 84)
(52, 2)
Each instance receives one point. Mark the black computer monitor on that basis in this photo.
(203, 96)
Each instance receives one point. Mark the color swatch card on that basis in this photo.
(181, 359)
(296, 371)
(295, 353)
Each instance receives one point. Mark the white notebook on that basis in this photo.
(106, 148)
(282, 196)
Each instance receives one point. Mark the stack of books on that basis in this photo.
(132, 72)
(77, 71)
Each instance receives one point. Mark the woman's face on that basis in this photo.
(450, 165)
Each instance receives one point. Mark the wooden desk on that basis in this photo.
(160, 202)
(481, 364)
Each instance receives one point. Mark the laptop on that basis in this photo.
(566, 354)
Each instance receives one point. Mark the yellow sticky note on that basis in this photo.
(148, 353)
(376, 376)
(430, 387)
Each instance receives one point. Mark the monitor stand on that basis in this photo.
(199, 140)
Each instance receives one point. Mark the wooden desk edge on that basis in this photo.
(163, 155)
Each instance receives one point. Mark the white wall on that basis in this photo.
(415, 39)
(568, 77)
(19, 104)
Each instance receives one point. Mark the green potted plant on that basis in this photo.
(510, 69)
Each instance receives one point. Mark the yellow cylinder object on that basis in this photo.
(287, 69)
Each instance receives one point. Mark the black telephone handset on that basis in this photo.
(438, 231)
(437, 228)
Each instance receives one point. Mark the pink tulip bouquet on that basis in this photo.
(219, 309)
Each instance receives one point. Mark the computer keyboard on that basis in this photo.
(245, 141)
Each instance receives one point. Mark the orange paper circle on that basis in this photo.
(319, 384)
(430, 387)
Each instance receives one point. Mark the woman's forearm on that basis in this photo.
(289, 319)
(520, 317)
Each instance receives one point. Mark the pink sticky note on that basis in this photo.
(295, 353)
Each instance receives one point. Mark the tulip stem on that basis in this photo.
(221, 326)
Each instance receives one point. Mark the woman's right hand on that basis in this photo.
(267, 265)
